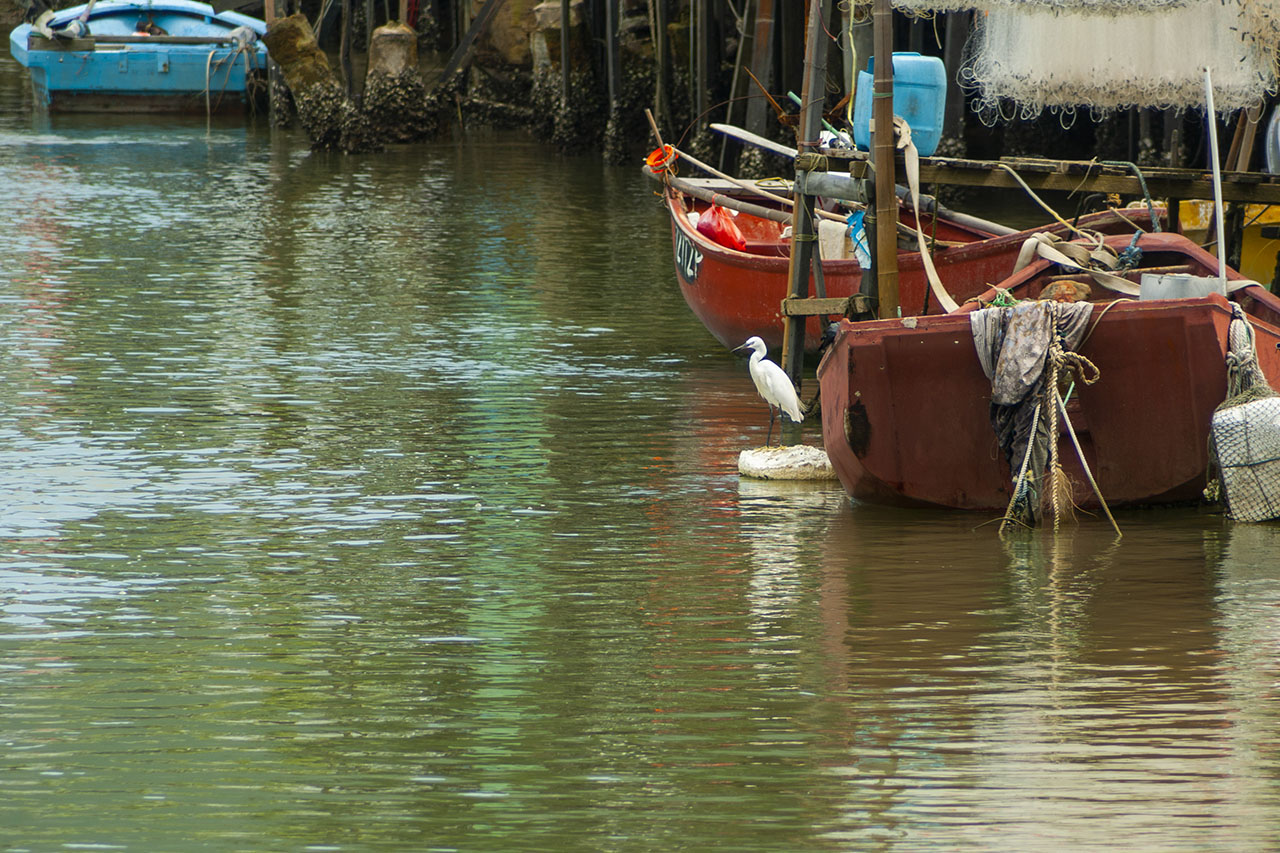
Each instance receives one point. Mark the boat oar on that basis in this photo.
(754, 139)
(751, 186)
(927, 203)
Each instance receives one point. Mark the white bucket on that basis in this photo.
(1179, 286)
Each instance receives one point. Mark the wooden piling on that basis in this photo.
(702, 50)
(761, 65)
(565, 33)
(613, 65)
(803, 223)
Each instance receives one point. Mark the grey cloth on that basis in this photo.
(1013, 343)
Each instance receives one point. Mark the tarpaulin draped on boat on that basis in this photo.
(1013, 347)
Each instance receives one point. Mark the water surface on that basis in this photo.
(390, 503)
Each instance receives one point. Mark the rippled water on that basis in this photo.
(390, 503)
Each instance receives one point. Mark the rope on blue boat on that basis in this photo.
(243, 38)
(208, 109)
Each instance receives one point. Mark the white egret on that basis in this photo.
(773, 384)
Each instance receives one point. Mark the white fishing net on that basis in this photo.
(926, 7)
(1036, 57)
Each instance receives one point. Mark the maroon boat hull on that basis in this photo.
(905, 405)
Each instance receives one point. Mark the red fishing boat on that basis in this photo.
(907, 406)
(738, 292)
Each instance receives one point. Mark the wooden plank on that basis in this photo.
(815, 306)
(1088, 176)
(462, 55)
(1236, 187)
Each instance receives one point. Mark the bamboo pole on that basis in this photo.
(882, 151)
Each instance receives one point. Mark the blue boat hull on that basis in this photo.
(177, 55)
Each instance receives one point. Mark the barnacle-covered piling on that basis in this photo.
(327, 114)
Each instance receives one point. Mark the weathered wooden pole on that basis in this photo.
(611, 51)
(761, 65)
(344, 48)
(882, 155)
(658, 18)
(702, 64)
(953, 57)
(738, 88)
(564, 53)
(803, 231)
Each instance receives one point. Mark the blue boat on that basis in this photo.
(160, 56)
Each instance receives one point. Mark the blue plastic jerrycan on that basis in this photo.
(919, 96)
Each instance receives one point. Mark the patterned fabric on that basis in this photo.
(1013, 343)
(1013, 347)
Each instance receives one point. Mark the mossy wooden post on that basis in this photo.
(325, 112)
(395, 98)
(803, 229)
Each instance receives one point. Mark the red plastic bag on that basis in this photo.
(717, 224)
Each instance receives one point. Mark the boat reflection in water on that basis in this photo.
(1029, 704)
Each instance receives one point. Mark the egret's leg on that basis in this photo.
(769, 435)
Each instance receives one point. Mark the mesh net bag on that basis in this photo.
(1247, 442)
(1245, 434)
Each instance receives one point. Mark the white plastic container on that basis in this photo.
(1179, 286)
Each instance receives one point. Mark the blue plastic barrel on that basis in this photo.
(919, 96)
